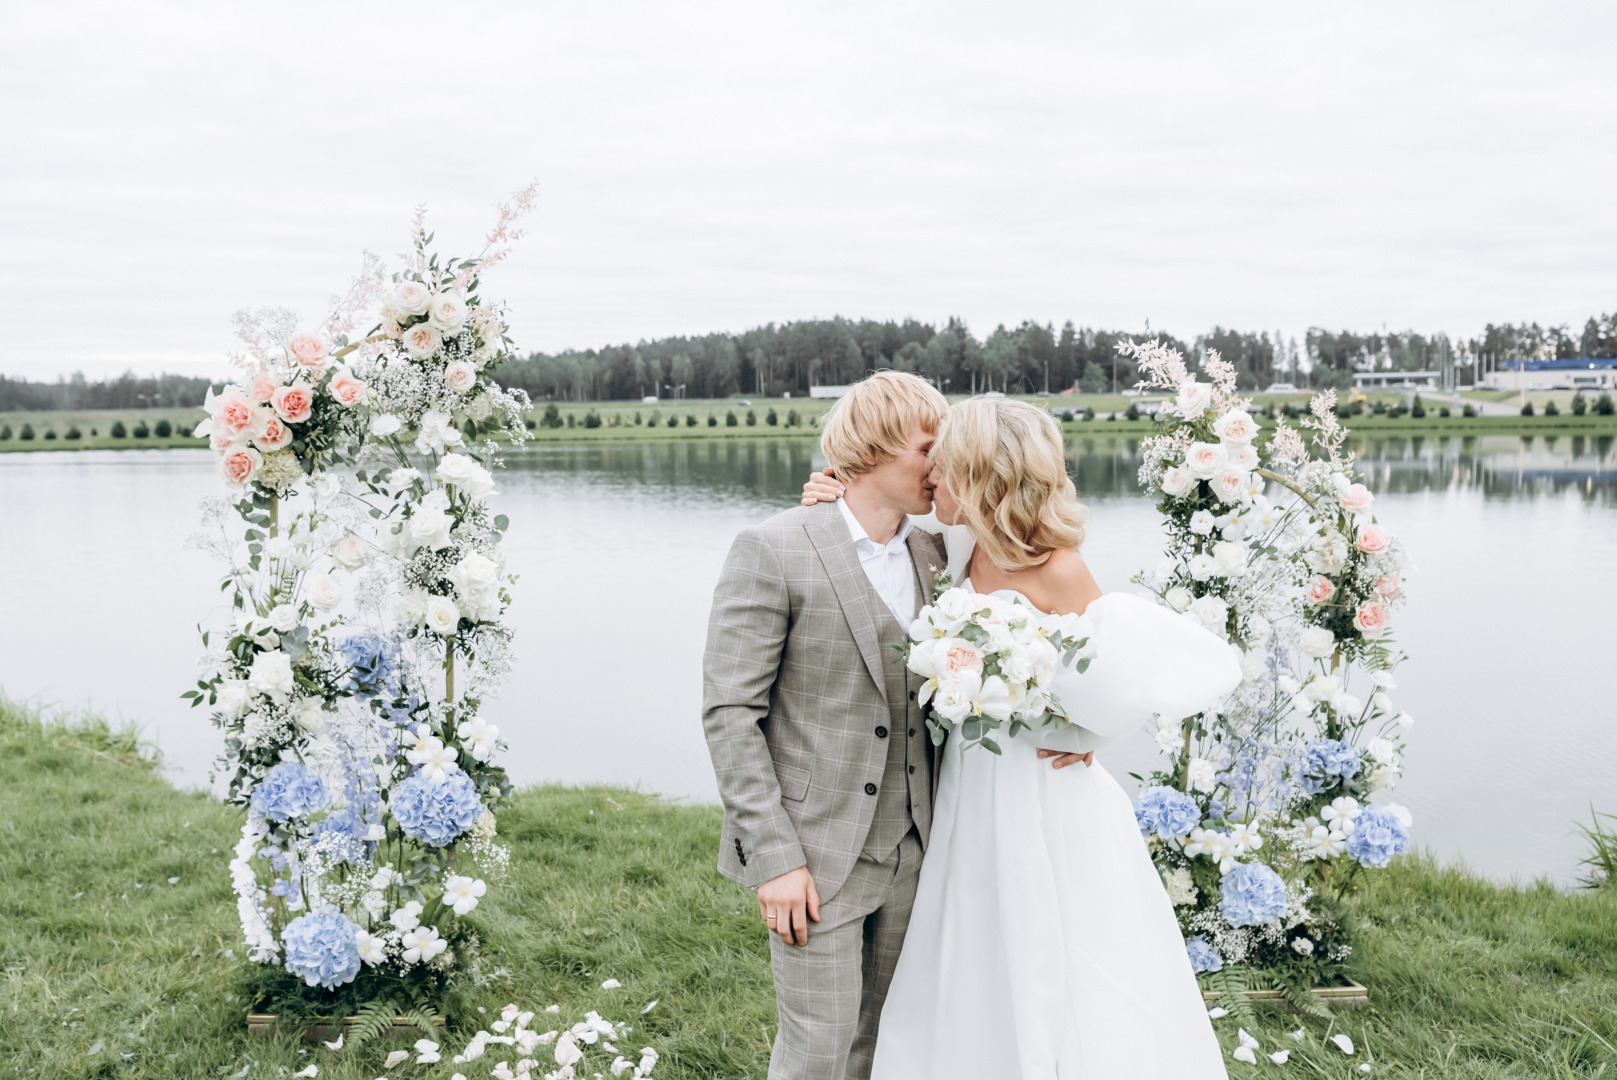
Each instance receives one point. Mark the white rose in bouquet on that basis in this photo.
(385, 424)
(480, 408)
(411, 298)
(429, 528)
(1201, 566)
(1178, 598)
(1318, 642)
(1177, 480)
(1356, 499)
(1230, 485)
(234, 697)
(1243, 457)
(311, 716)
(1193, 398)
(438, 433)
(284, 617)
(448, 311)
(422, 340)
(1236, 426)
(1202, 522)
(411, 608)
(323, 591)
(271, 673)
(460, 376)
(1205, 460)
(1211, 612)
(1229, 558)
(443, 617)
(349, 553)
(465, 473)
(1201, 774)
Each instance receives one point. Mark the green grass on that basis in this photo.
(1467, 979)
(100, 421)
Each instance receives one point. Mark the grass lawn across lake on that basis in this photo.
(119, 942)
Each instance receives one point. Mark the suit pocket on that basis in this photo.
(794, 782)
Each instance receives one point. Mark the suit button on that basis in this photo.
(870, 789)
(881, 733)
(912, 733)
(912, 695)
(912, 768)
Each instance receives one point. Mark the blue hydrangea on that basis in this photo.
(1251, 894)
(373, 663)
(436, 812)
(1203, 957)
(321, 948)
(1324, 761)
(290, 790)
(1377, 836)
(1168, 813)
(344, 835)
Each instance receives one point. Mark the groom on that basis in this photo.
(823, 760)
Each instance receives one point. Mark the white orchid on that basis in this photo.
(422, 944)
(462, 893)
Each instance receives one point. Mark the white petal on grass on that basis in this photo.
(1343, 1043)
(1244, 1053)
(173, 881)
(1246, 1040)
(308, 1074)
(335, 1045)
(1365, 1067)
(552, 1008)
(611, 984)
(1297, 1036)
(648, 1008)
(1217, 1012)
(96, 1047)
(395, 1058)
(1279, 1056)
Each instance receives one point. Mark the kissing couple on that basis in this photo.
(938, 912)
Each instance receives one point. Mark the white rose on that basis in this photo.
(1229, 558)
(479, 408)
(1205, 460)
(411, 298)
(1201, 773)
(234, 697)
(448, 311)
(460, 376)
(1201, 566)
(349, 553)
(385, 424)
(1212, 613)
(1243, 457)
(465, 473)
(1193, 399)
(312, 716)
(1254, 666)
(1235, 426)
(1230, 485)
(1317, 642)
(1405, 721)
(1201, 522)
(284, 617)
(1382, 750)
(1357, 499)
(474, 573)
(438, 433)
(1259, 628)
(323, 591)
(1323, 688)
(411, 608)
(443, 617)
(422, 340)
(1178, 598)
(271, 674)
(430, 529)
(1177, 480)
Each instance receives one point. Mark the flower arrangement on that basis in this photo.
(369, 781)
(988, 661)
(1260, 820)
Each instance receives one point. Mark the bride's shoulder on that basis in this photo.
(1065, 582)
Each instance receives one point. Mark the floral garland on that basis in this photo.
(1260, 819)
(368, 779)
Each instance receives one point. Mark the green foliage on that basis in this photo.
(50, 433)
(118, 430)
(1089, 414)
(27, 432)
(730, 418)
(1604, 406)
(770, 418)
(592, 419)
(1551, 408)
(1232, 984)
(1419, 409)
(5, 432)
(529, 423)
(73, 432)
(712, 420)
(752, 418)
(552, 417)
(141, 430)
(163, 429)
(1580, 404)
(673, 420)
(1469, 410)
(1094, 379)
(1527, 409)
(1602, 857)
(791, 418)
(1443, 412)
(570, 421)
(1133, 411)
(690, 420)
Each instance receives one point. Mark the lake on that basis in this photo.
(1508, 623)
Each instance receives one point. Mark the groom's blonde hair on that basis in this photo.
(1005, 465)
(870, 425)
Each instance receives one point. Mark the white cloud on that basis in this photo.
(713, 166)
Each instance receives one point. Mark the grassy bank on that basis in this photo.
(118, 941)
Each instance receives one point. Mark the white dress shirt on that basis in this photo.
(888, 566)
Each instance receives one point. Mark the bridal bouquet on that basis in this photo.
(989, 661)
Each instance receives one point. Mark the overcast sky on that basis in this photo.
(712, 166)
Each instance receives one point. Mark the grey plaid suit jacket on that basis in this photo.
(793, 690)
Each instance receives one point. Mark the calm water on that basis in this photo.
(1510, 681)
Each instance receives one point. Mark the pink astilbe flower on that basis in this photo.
(1328, 434)
(1162, 367)
(1287, 448)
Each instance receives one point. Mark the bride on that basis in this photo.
(1043, 945)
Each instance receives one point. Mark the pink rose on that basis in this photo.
(1319, 590)
(1372, 539)
(1236, 426)
(261, 389)
(346, 388)
(1177, 480)
(961, 658)
(1230, 485)
(1204, 460)
(240, 464)
(273, 435)
(460, 376)
(220, 441)
(234, 415)
(1357, 499)
(1389, 587)
(421, 340)
(292, 403)
(411, 298)
(308, 350)
(1371, 618)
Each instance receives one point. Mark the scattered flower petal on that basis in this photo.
(335, 1045)
(1246, 1040)
(1279, 1056)
(1217, 1013)
(1244, 1053)
(648, 1008)
(1297, 1035)
(309, 1073)
(611, 984)
(395, 1058)
(1343, 1043)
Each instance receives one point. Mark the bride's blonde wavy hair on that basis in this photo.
(1005, 466)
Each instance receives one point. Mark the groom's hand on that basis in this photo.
(1063, 760)
(788, 902)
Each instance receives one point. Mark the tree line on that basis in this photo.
(1033, 357)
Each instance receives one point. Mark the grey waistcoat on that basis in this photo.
(905, 795)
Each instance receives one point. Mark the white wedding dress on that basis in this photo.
(1043, 945)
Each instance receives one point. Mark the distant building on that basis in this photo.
(1396, 380)
(1281, 388)
(828, 391)
(1552, 375)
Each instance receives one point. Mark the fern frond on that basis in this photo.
(1231, 986)
(424, 1021)
(372, 1020)
(1298, 995)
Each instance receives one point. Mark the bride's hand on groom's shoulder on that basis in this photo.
(822, 486)
(1063, 760)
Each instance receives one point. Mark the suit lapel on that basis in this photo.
(831, 541)
(924, 555)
